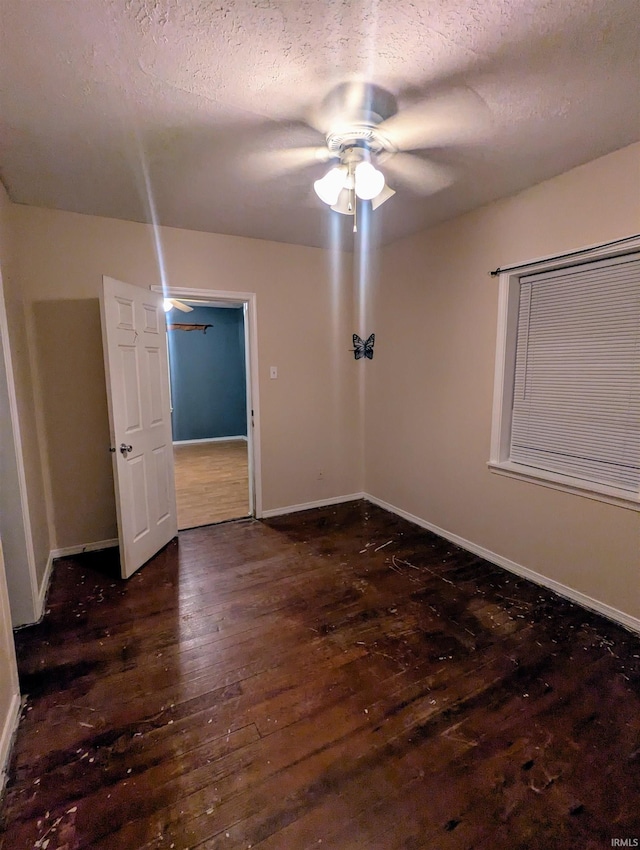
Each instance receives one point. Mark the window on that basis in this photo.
(567, 391)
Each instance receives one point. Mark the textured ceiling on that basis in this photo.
(177, 110)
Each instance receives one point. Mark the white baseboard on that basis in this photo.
(85, 547)
(9, 727)
(321, 503)
(44, 586)
(209, 440)
(632, 623)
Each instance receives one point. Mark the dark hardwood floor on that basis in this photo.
(332, 679)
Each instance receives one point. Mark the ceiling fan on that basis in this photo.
(170, 303)
(365, 131)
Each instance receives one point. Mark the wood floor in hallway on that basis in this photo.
(336, 679)
(212, 482)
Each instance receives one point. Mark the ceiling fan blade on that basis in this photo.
(351, 102)
(442, 119)
(275, 163)
(180, 306)
(419, 175)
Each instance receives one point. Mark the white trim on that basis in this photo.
(209, 440)
(250, 304)
(306, 506)
(632, 623)
(18, 449)
(626, 244)
(9, 729)
(555, 481)
(84, 547)
(508, 304)
(252, 382)
(44, 586)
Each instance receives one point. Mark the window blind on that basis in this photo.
(576, 408)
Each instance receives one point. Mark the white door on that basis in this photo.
(134, 336)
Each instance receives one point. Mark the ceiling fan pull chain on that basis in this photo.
(353, 197)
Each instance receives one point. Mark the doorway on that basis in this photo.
(213, 382)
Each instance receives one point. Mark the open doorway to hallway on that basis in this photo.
(207, 359)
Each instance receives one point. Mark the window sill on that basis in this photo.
(586, 489)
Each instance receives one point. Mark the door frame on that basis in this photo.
(25, 594)
(248, 300)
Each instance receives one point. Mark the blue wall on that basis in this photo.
(208, 383)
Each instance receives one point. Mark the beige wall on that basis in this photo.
(309, 415)
(430, 386)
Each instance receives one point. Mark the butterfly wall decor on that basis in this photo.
(363, 348)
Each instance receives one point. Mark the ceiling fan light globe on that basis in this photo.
(369, 181)
(387, 192)
(328, 188)
(167, 305)
(344, 204)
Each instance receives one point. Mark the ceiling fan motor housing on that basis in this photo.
(354, 110)
(359, 142)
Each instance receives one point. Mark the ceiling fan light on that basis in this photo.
(369, 181)
(167, 305)
(387, 192)
(329, 187)
(344, 203)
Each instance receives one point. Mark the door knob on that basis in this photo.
(124, 448)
